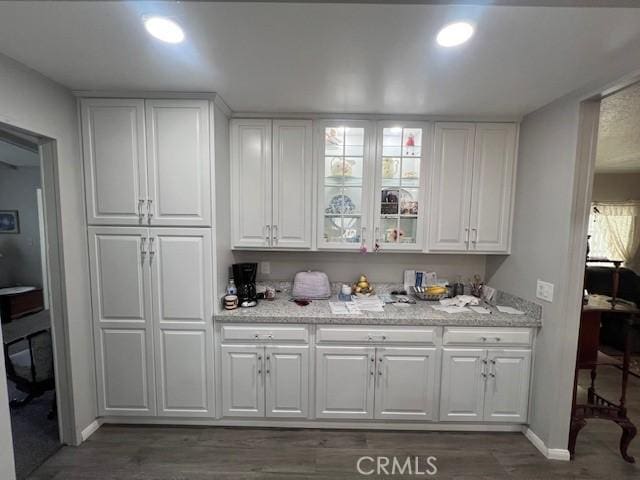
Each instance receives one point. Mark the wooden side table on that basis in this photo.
(588, 358)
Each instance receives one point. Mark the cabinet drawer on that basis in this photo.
(268, 333)
(422, 335)
(487, 336)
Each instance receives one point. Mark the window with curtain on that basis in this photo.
(615, 232)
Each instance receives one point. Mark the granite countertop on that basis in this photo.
(281, 310)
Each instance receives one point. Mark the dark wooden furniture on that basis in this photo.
(16, 305)
(588, 358)
(33, 371)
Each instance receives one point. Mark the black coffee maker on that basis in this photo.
(244, 276)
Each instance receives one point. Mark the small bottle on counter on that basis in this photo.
(231, 287)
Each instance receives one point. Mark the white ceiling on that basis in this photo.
(326, 57)
(17, 157)
(619, 132)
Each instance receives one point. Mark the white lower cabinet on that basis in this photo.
(151, 294)
(485, 385)
(406, 383)
(345, 378)
(260, 381)
(396, 383)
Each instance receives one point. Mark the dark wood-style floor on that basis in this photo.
(181, 453)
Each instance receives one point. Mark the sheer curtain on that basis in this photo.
(615, 232)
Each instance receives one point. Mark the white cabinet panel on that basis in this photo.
(345, 382)
(242, 381)
(113, 141)
(287, 381)
(492, 191)
(182, 373)
(292, 184)
(181, 262)
(462, 388)
(119, 279)
(122, 321)
(178, 162)
(406, 383)
(507, 394)
(452, 167)
(251, 177)
(181, 266)
(124, 374)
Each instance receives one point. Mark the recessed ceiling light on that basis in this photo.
(455, 34)
(164, 29)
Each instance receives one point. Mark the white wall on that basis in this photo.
(546, 162)
(20, 253)
(382, 267)
(31, 101)
(616, 187)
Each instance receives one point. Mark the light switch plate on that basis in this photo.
(265, 268)
(544, 290)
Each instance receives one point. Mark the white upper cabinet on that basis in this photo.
(452, 170)
(492, 190)
(251, 183)
(179, 166)
(147, 162)
(401, 177)
(345, 185)
(271, 184)
(472, 187)
(292, 184)
(113, 142)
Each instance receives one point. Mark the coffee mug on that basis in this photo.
(230, 302)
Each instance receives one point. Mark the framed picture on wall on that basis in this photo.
(9, 222)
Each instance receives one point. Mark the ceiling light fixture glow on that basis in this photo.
(164, 29)
(454, 34)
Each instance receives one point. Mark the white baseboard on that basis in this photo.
(90, 429)
(550, 453)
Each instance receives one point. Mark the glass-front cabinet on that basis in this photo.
(345, 184)
(401, 181)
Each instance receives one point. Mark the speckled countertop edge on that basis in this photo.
(281, 310)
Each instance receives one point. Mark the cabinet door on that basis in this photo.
(251, 183)
(450, 202)
(113, 143)
(462, 385)
(345, 382)
(346, 175)
(122, 321)
(292, 184)
(287, 381)
(179, 162)
(492, 191)
(242, 381)
(507, 396)
(406, 383)
(181, 276)
(401, 178)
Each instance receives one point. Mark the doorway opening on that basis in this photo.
(607, 376)
(31, 306)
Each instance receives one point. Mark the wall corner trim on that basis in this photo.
(549, 453)
(90, 429)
